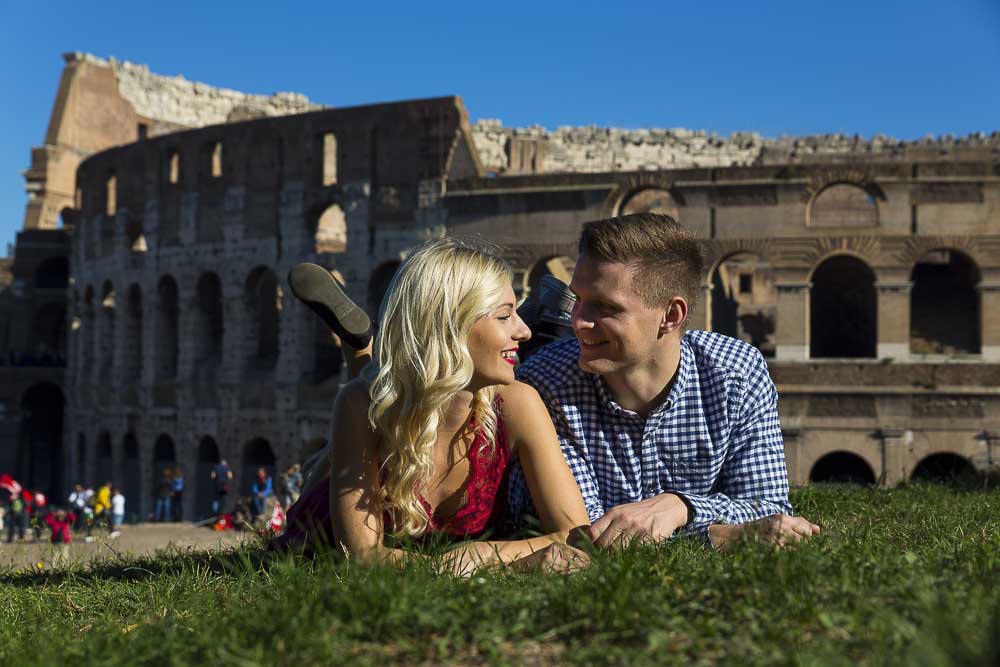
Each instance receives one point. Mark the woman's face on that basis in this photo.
(493, 343)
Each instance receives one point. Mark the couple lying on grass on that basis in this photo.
(634, 429)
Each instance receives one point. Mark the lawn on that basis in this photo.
(905, 576)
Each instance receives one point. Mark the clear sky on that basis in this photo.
(903, 69)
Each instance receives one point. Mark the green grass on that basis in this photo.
(907, 576)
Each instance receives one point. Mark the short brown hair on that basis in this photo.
(666, 257)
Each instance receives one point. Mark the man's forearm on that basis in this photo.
(720, 508)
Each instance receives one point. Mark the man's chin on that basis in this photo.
(597, 366)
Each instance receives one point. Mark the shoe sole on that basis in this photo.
(317, 288)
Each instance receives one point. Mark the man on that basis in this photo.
(664, 430)
(222, 475)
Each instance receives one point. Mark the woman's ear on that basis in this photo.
(674, 316)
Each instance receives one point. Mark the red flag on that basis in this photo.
(9, 484)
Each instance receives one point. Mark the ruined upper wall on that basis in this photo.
(596, 149)
(176, 102)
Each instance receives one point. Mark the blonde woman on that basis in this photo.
(423, 439)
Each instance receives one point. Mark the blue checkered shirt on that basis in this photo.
(715, 441)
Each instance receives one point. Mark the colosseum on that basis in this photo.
(148, 324)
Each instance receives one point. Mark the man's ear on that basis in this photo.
(674, 316)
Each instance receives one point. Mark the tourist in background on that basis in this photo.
(15, 517)
(59, 523)
(263, 488)
(117, 512)
(77, 502)
(164, 491)
(177, 494)
(102, 507)
(222, 475)
(291, 485)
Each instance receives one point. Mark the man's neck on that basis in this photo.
(643, 387)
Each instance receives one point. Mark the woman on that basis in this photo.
(422, 440)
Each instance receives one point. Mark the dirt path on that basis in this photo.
(144, 538)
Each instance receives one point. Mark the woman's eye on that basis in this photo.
(504, 317)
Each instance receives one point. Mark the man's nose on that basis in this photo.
(580, 317)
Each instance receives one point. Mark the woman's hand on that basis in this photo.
(556, 557)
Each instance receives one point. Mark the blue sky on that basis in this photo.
(894, 68)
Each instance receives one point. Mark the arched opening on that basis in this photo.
(842, 309)
(208, 321)
(164, 460)
(40, 451)
(107, 342)
(650, 200)
(52, 273)
(944, 304)
(132, 366)
(167, 329)
(557, 266)
(105, 471)
(263, 298)
(130, 481)
(256, 454)
(943, 467)
(843, 205)
(378, 286)
(843, 468)
(331, 231)
(48, 330)
(204, 486)
(743, 301)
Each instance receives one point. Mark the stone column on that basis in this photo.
(354, 264)
(698, 317)
(233, 325)
(989, 315)
(793, 444)
(189, 218)
(895, 442)
(792, 326)
(893, 310)
(150, 350)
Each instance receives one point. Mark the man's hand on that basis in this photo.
(655, 518)
(556, 557)
(778, 529)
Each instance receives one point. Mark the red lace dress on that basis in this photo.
(483, 505)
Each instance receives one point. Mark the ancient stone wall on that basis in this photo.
(604, 149)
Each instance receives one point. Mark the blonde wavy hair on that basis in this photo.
(421, 360)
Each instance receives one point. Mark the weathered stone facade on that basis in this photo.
(868, 271)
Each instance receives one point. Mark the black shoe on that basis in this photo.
(316, 287)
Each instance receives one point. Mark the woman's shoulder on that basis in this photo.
(519, 405)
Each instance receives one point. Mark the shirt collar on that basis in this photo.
(684, 367)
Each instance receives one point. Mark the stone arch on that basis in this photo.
(208, 320)
(263, 300)
(844, 467)
(941, 467)
(558, 266)
(945, 304)
(843, 308)
(257, 453)
(52, 273)
(107, 342)
(105, 459)
(130, 480)
(164, 460)
(650, 200)
(329, 232)
(48, 331)
(40, 460)
(378, 285)
(204, 486)
(167, 329)
(743, 300)
(132, 360)
(842, 204)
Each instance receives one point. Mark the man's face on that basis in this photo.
(616, 330)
